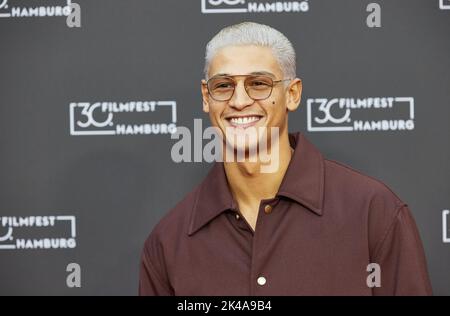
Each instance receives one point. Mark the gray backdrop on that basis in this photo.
(91, 180)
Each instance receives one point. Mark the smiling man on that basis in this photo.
(311, 226)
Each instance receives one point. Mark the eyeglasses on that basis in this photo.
(258, 87)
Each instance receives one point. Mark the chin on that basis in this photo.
(246, 141)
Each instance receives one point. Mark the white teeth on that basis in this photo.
(244, 120)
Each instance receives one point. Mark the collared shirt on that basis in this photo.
(318, 236)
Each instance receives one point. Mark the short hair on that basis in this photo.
(250, 33)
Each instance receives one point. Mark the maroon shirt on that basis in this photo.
(315, 237)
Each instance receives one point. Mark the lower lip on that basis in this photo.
(244, 126)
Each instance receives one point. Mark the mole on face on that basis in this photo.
(273, 102)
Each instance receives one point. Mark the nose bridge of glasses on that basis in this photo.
(240, 90)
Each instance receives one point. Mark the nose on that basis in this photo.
(240, 98)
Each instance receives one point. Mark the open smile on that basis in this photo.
(243, 121)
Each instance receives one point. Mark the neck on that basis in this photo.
(249, 185)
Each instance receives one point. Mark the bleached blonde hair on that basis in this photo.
(250, 33)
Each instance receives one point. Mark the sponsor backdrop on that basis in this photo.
(87, 114)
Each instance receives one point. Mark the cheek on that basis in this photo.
(276, 110)
(215, 112)
(277, 99)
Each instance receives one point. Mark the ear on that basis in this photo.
(205, 96)
(294, 94)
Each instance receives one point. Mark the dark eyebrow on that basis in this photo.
(255, 73)
(220, 75)
(264, 73)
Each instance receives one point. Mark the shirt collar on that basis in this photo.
(303, 182)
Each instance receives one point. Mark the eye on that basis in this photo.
(259, 83)
(223, 85)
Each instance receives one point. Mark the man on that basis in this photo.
(312, 226)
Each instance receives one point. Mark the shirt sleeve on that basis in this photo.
(152, 279)
(401, 258)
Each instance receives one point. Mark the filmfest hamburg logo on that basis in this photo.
(360, 114)
(35, 8)
(123, 118)
(37, 232)
(247, 6)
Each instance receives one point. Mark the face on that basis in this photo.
(242, 112)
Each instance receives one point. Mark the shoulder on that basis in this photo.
(348, 181)
(372, 201)
(173, 228)
(173, 225)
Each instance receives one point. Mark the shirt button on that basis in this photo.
(237, 216)
(268, 209)
(261, 280)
